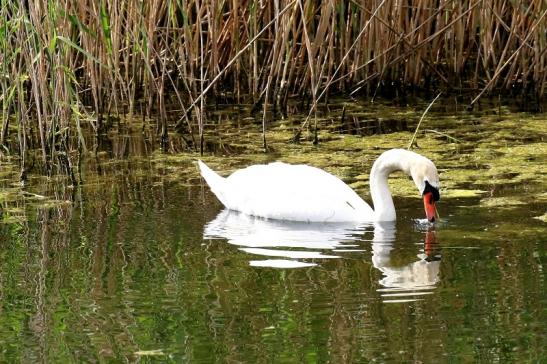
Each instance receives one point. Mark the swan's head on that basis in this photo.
(425, 176)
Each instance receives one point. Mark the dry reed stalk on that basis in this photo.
(413, 139)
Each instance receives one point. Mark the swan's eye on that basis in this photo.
(434, 191)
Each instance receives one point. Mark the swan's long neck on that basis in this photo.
(390, 161)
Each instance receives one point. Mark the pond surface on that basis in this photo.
(141, 263)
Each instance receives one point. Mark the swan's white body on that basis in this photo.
(303, 193)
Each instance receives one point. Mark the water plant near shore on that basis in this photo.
(64, 63)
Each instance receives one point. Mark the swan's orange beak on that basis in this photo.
(429, 206)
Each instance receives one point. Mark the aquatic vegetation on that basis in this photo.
(498, 158)
(66, 66)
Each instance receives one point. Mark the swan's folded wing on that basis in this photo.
(294, 192)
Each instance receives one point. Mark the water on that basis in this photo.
(141, 263)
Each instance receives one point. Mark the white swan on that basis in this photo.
(303, 193)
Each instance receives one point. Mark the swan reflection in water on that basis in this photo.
(292, 244)
(399, 282)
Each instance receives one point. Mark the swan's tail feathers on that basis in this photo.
(214, 180)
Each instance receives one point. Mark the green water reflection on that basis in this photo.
(123, 268)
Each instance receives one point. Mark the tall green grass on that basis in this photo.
(63, 61)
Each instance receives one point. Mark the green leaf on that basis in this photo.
(105, 24)
(78, 24)
(78, 48)
(52, 45)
